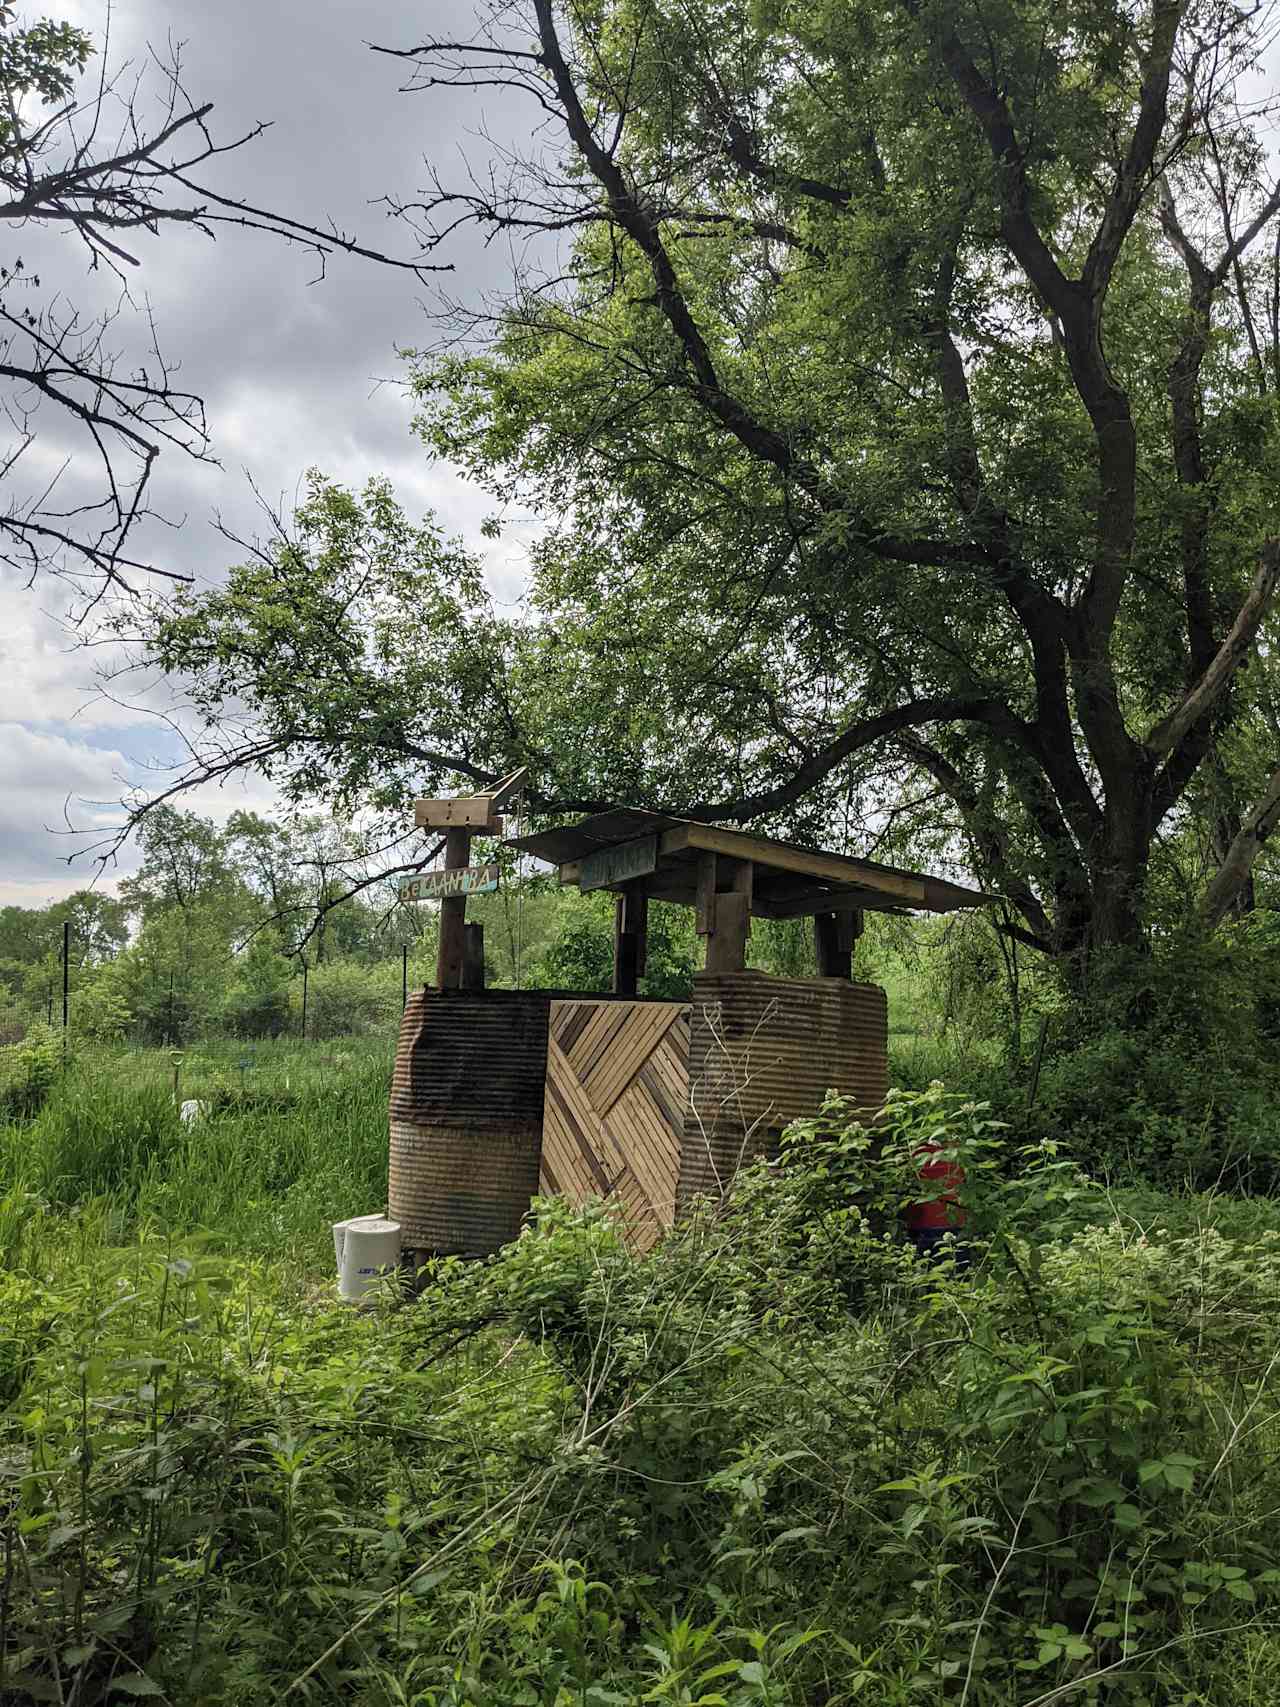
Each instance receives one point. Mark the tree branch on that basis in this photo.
(1231, 876)
(1165, 736)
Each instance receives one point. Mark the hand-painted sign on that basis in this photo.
(618, 864)
(435, 885)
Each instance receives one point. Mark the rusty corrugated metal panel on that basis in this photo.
(471, 1056)
(459, 1190)
(765, 1051)
(466, 1117)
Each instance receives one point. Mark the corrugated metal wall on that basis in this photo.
(466, 1117)
(636, 1105)
(765, 1051)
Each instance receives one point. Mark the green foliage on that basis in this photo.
(345, 1000)
(100, 1012)
(42, 60)
(257, 1003)
(775, 1462)
(580, 954)
(28, 1070)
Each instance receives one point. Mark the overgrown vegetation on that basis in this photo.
(778, 1461)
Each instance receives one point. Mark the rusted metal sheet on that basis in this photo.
(498, 1093)
(765, 1051)
(466, 1117)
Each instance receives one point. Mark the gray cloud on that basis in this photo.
(289, 369)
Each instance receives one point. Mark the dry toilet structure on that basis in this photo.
(502, 1094)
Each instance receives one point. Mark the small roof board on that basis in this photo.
(661, 854)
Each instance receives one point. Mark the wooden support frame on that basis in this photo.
(630, 938)
(779, 857)
(834, 936)
(724, 896)
(452, 953)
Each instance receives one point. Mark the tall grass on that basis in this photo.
(269, 1165)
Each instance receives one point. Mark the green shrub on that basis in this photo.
(28, 1070)
(348, 1000)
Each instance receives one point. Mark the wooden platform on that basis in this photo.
(616, 1091)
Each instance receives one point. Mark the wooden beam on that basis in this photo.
(741, 874)
(705, 902)
(453, 915)
(502, 791)
(727, 943)
(816, 901)
(630, 930)
(835, 959)
(472, 957)
(475, 812)
(777, 857)
(849, 927)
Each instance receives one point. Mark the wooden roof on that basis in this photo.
(788, 881)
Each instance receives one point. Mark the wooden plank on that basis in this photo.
(614, 1109)
(816, 901)
(608, 1020)
(651, 1148)
(472, 957)
(503, 790)
(705, 904)
(630, 930)
(727, 943)
(577, 1016)
(642, 1226)
(849, 928)
(579, 1118)
(778, 857)
(435, 885)
(618, 864)
(628, 1052)
(472, 812)
(670, 1095)
(833, 960)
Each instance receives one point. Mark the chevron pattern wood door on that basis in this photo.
(617, 1088)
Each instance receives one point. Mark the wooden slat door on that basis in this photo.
(617, 1087)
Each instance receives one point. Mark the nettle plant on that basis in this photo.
(869, 1172)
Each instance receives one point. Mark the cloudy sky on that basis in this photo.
(289, 369)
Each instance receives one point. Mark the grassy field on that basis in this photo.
(777, 1463)
(296, 1139)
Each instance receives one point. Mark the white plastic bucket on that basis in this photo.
(364, 1247)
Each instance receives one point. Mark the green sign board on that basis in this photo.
(435, 885)
(618, 864)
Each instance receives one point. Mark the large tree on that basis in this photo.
(903, 393)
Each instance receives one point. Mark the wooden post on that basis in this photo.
(630, 929)
(834, 935)
(731, 882)
(453, 914)
(472, 957)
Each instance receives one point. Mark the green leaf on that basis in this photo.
(136, 1683)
